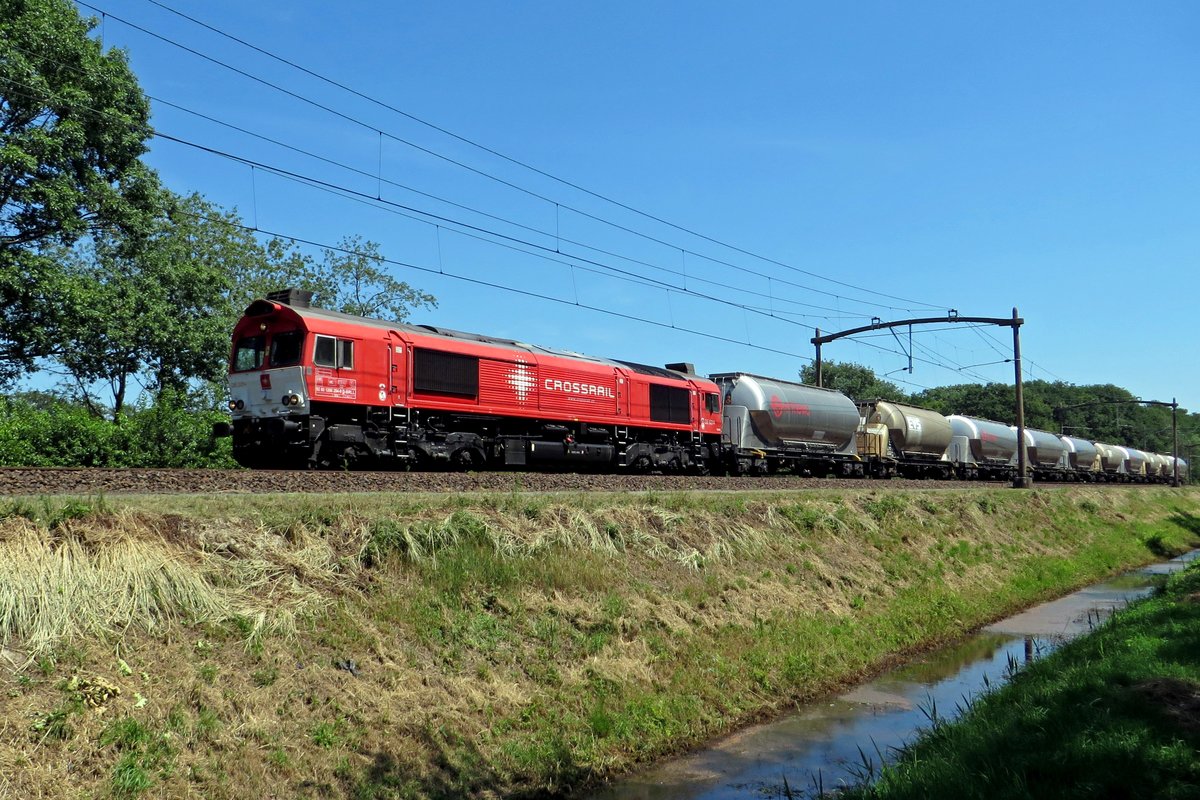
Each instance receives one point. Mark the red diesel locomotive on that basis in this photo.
(316, 388)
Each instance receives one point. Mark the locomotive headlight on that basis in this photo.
(295, 400)
(241, 404)
(232, 405)
(284, 400)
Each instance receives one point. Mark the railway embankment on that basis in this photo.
(491, 644)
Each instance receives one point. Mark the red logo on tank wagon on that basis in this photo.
(779, 406)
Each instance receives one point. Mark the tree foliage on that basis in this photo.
(349, 278)
(73, 127)
(853, 380)
(155, 309)
(169, 431)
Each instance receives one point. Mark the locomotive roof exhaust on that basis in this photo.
(296, 298)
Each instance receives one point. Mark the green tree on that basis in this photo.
(994, 401)
(853, 380)
(73, 127)
(350, 278)
(156, 310)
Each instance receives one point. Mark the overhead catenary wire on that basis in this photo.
(483, 173)
(471, 209)
(1027, 360)
(440, 271)
(325, 185)
(377, 176)
(491, 151)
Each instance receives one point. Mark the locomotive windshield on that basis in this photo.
(285, 348)
(248, 354)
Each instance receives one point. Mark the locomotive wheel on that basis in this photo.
(468, 458)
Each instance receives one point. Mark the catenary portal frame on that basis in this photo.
(1021, 481)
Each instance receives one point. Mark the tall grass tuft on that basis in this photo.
(71, 576)
(87, 580)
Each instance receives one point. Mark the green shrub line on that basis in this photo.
(1115, 713)
(174, 431)
(505, 644)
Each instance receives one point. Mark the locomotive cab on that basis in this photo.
(269, 398)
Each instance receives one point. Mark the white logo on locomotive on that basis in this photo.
(574, 387)
(521, 381)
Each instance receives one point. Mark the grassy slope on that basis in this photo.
(508, 644)
(1114, 714)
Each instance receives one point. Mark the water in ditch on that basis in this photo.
(830, 743)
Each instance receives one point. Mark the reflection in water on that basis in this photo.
(840, 740)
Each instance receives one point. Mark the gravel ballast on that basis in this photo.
(16, 481)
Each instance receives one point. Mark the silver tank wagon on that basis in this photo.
(771, 425)
(1112, 459)
(1183, 469)
(785, 414)
(913, 431)
(1156, 466)
(1045, 450)
(980, 447)
(1080, 455)
(1138, 462)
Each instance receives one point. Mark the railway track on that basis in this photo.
(16, 481)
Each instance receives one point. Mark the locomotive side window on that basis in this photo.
(712, 402)
(249, 353)
(285, 348)
(325, 352)
(331, 352)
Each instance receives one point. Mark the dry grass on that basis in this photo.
(95, 577)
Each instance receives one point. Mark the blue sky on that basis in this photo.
(956, 155)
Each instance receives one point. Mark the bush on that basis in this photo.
(38, 430)
(53, 433)
(174, 432)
